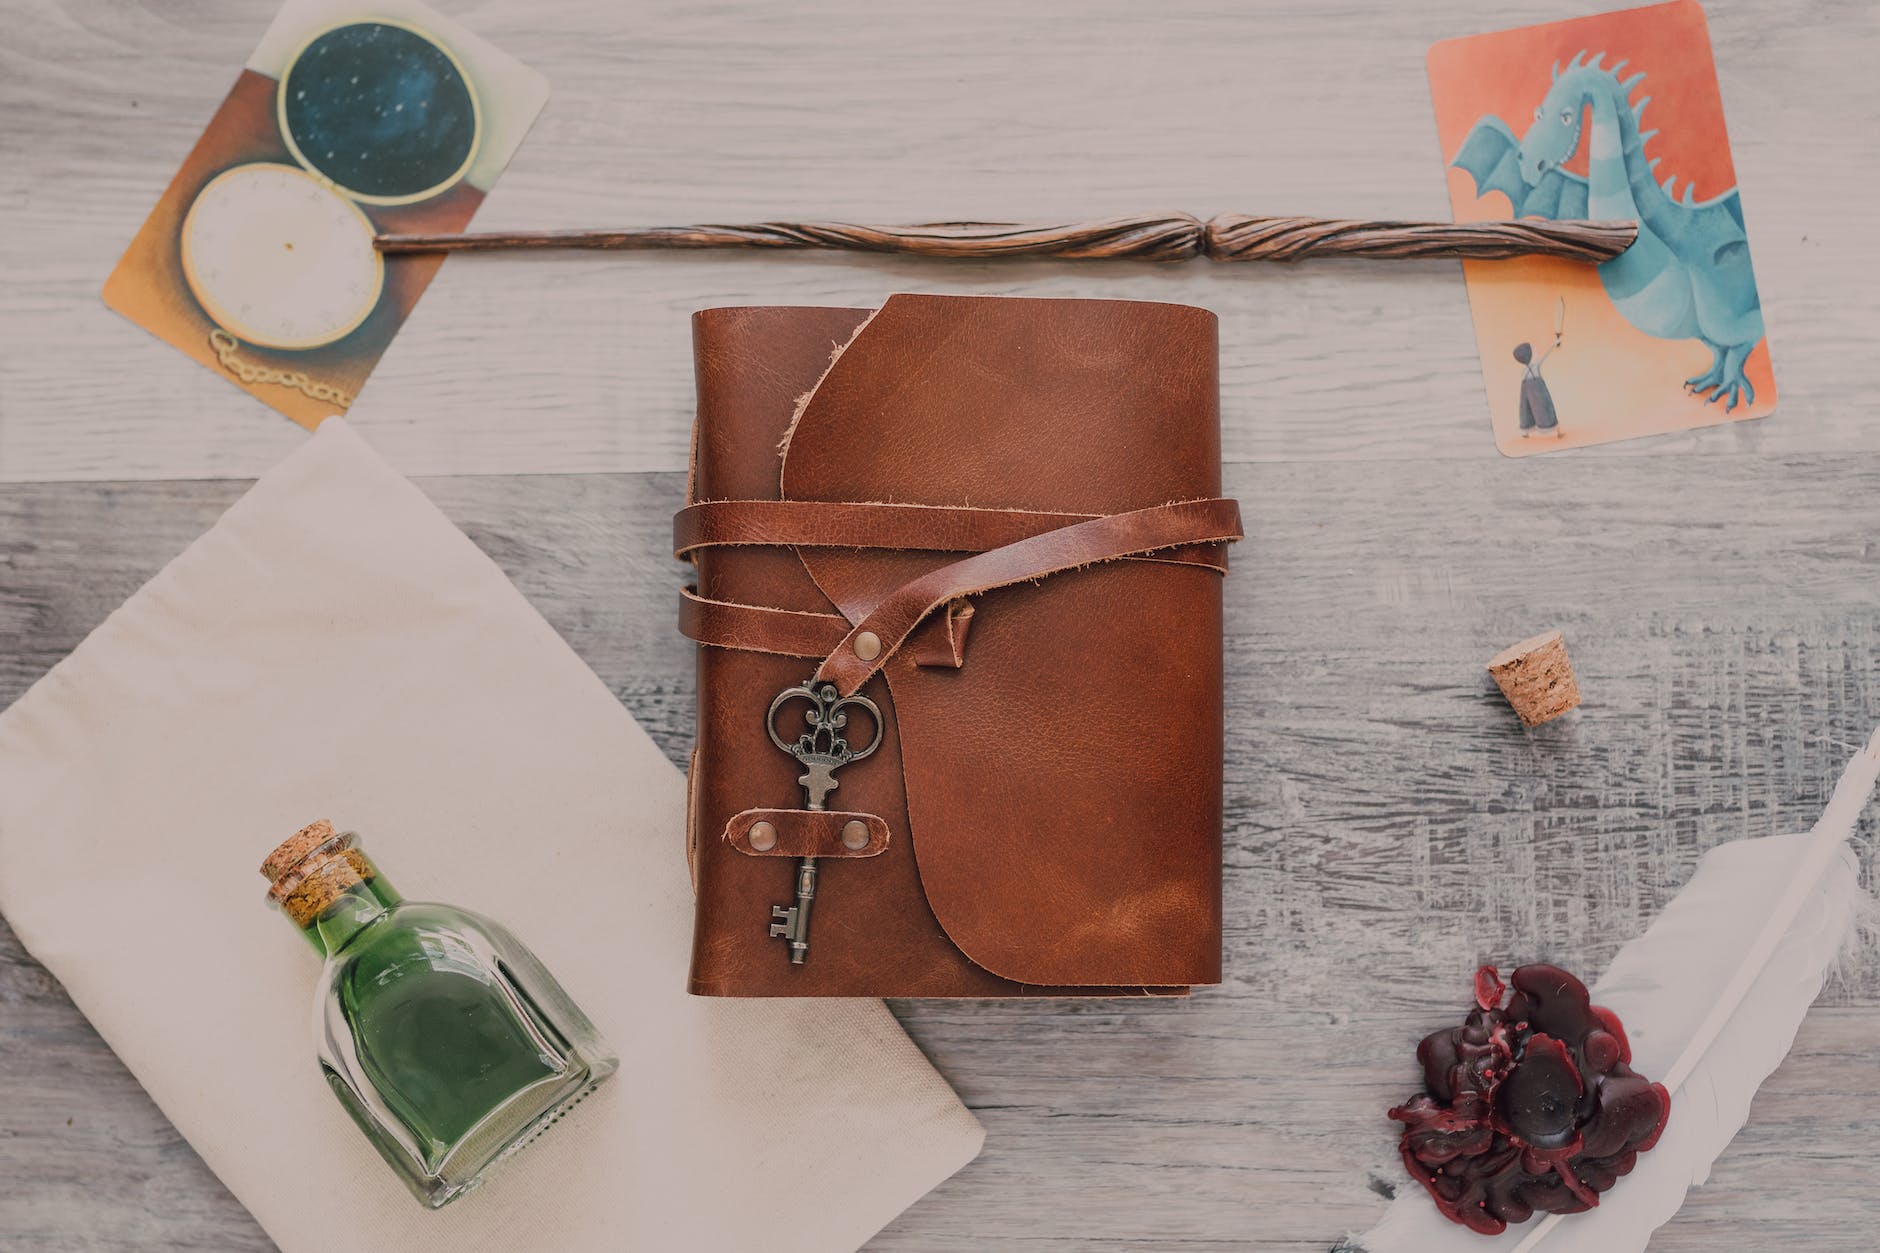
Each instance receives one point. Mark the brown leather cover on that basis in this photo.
(1052, 779)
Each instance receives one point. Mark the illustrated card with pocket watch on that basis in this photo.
(347, 121)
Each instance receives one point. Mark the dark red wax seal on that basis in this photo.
(1530, 1105)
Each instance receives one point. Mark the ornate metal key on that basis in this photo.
(822, 750)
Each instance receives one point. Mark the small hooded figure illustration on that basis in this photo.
(1537, 403)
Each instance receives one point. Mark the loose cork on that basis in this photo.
(312, 868)
(1537, 678)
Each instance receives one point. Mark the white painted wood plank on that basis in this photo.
(679, 112)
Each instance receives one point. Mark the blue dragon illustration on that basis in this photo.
(1688, 276)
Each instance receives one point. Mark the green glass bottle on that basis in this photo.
(440, 1033)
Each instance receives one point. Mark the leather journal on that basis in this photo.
(958, 603)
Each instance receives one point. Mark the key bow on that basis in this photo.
(822, 748)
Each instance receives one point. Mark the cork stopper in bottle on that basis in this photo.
(312, 868)
(1537, 678)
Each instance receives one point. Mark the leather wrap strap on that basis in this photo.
(1032, 546)
(1100, 539)
(758, 629)
(844, 524)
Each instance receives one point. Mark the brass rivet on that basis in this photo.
(868, 646)
(855, 834)
(763, 836)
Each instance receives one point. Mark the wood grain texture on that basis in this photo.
(1237, 237)
(1161, 237)
(671, 111)
(1390, 825)
(1157, 237)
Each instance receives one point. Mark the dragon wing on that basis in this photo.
(1492, 156)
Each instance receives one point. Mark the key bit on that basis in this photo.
(795, 924)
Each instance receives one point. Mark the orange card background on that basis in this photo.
(1609, 380)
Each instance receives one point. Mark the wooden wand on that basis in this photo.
(1177, 237)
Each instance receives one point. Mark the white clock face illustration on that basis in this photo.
(280, 259)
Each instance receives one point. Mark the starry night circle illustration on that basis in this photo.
(380, 109)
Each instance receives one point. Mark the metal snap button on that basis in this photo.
(855, 834)
(763, 836)
(868, 646)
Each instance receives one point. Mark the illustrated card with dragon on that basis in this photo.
(1614, 116)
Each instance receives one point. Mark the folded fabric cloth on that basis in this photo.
(334, 647)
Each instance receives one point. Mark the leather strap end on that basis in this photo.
(941, 642)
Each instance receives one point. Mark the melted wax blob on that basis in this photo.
(1530, 1105)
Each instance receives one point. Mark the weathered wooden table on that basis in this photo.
(1389, 823)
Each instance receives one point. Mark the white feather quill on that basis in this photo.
(1711, 1001)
